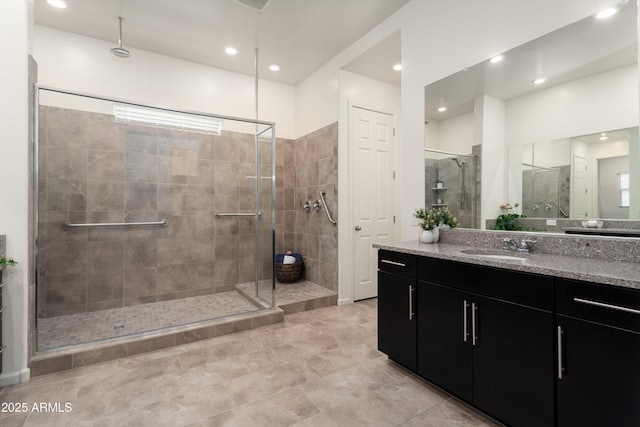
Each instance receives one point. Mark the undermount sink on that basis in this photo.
(494, 254)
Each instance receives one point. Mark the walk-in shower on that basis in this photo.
(451, 180)
(148, 218)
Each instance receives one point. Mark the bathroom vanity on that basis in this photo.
(532, 339)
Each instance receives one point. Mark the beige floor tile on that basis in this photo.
(317, 368)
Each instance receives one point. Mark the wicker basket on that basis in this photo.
(289, 273)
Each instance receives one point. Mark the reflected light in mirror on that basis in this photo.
(607, 13)
(496, 59)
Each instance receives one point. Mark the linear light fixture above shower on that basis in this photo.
(167, 119)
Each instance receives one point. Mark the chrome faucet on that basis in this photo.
(522, 246)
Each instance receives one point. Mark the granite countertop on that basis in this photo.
(610, 272)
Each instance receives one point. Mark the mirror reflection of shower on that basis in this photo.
(460, 192)
(452, 180)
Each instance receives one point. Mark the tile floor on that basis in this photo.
(317, 368)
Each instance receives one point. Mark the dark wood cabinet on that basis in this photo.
(494, 354)
(444, 342)
(527, 349)
(397, 321)
(598, 334)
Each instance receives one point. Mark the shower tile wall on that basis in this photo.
(467, 212)
(541, 188)
(315, 157)
(92, 169)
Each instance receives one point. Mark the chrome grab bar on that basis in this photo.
(324, 205)
(162, 223)
(219, 214)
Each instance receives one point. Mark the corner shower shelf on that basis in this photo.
(438, 205)
(439, 189)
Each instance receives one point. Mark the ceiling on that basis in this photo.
(377, 62)
(584, 48)
(299, 35)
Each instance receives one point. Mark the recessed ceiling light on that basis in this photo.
(442, 109)
(539, 81)
(603, 136)
(230, 50)
(496, 59)
(60, 4)
(274, 67)
(606, 13)
(397, 67)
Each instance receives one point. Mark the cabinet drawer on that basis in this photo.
(397, 263)
(529, 289)
(609, 305)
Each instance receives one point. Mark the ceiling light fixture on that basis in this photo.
(274, 67)
(539, 81)
(230, 50)
(167, 119)
(442, 109)
(606, 13)
(603, 136)
(397, 67)
(496, 59)
(60, 4)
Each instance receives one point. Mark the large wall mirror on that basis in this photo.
(566, 106)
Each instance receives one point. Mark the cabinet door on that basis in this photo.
(600, 384)
(444, 352)
(513, 362)
(397, 318)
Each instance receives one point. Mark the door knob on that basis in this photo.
(358, 228)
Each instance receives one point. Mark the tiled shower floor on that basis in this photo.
(60, 331)
(54, 332)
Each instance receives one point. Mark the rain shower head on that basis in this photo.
(120, 51)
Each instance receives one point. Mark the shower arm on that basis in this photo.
(324, 205)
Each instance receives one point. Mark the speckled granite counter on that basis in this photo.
(616, 273)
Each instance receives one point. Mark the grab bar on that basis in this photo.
(162, 223)
(219, 214)
(324, 205)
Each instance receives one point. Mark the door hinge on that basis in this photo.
(394, 219)
(394, 131)
(394, 174)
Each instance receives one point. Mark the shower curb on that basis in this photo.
(83, 355)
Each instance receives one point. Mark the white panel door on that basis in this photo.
(371, 178)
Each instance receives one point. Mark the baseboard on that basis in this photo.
(15, 377)
(345, 301)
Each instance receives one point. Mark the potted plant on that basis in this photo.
(508, 221)
(431, 220)
(6, 261)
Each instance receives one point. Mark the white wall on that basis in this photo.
(14, 124)
(456, 134)
(598, 103)
(82, 64)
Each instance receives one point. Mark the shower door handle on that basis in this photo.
(358, 228)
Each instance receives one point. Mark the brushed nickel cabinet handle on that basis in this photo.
(386, 261)
(559, 337)
(474, 309)
(411, 313)
(611, 306)
(465, 332)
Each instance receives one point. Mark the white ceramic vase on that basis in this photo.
(436, 234)
(426, 236)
